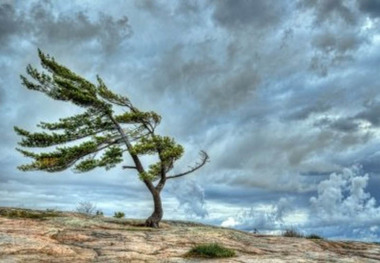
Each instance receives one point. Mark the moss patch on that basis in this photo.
(210, 251)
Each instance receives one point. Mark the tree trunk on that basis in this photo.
(155, 218)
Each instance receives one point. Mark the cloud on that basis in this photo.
(340, 43)
(341, 209)
(41, 25)
(342, 200)
(264, 218)
(258, 14)
(343, 197)
(191, 198)
(339, 31)
(305, 111)
(371, 114)
(10, 23)
(326, 10)
(279, 94)
(372, 7)
(347, 125)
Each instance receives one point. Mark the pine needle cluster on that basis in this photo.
(102, 133)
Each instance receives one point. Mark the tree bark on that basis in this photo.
(155, 218)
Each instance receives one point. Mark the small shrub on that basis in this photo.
(210, 251)
(314, 236)
(292, 233)
(28, 214)
(119, 215)
(86, 208)
(99, 213)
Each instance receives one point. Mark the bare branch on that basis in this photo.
(129, 167)
(204, 159)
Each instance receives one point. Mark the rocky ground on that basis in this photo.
(48, 236)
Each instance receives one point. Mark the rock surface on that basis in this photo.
(40, 236)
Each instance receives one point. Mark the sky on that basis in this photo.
(282, 95)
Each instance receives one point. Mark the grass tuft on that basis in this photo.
(210, 251)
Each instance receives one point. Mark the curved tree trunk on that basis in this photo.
(155, 218)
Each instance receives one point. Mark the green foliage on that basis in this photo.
(292, 233)
(111, 97)
(168, 150)
(99, 213)
(60, 159)
(118, 215)
(86, 165)
(138, 117)
(40, 139)
(210, 251)
(28, 214)
(98, 125)
(85, 123)
(111, 157)
(314, 236)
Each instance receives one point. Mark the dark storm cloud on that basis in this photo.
(258, 14)
(337, 33)
(39, 24)
(330, 11)
(371, 114)
(188, 7)
(215, 86)
(10, 23)
(341, 124)
(339, 43)
(150, 6)
(372, 7)
(345, 125)
(251, 99)
(307, 110)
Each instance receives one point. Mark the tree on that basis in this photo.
(86, 207)
(99, 130)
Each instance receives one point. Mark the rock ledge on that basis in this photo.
(41, 236)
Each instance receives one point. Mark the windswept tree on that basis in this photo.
(109, 127)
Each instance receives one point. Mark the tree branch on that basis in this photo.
(135, 158)
(129, 167)
(204, 159)
(99, 148)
